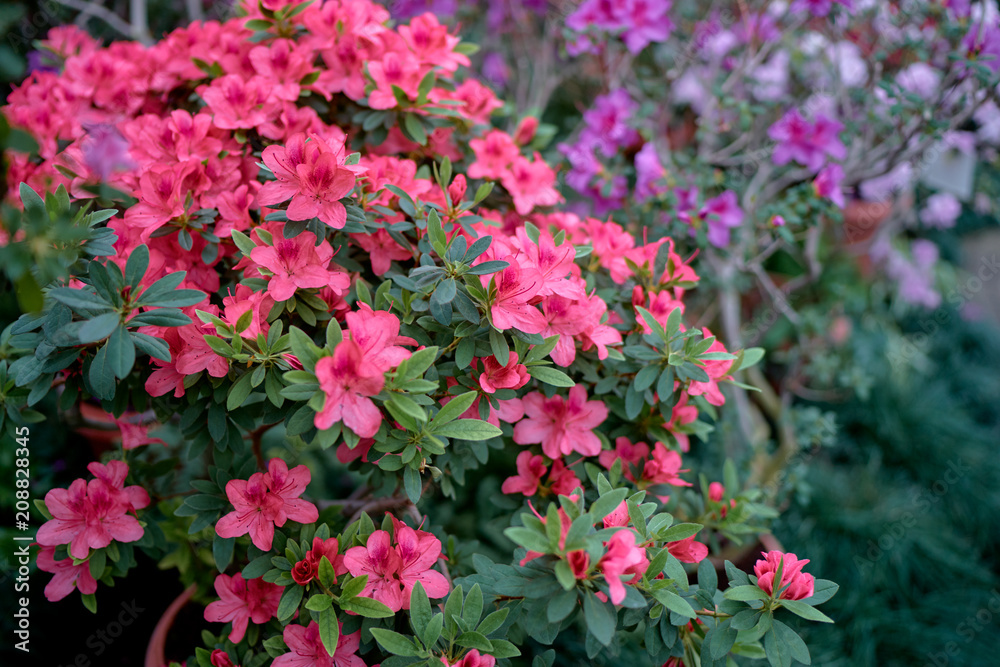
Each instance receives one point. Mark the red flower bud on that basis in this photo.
(221, 659)
(303, 572)
(456, 191)
(525, 131)
(579, 561)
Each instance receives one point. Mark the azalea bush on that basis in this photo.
(313, 293)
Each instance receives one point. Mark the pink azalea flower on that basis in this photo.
(379, 560)
(135, 434)
(313, 175)
(632, 456)
(242, 601)
(220, 658)
(418, 551)
(298, 263)
(377, 334)
(348, 383)
(472, 659)
(717, 371)
(800, 584)
(89, 515)
(688, 550)
(494, 154)
(306, 648)
(553, 262)
(721, 214)
(623, 558)
(245, 299)
(283, 66)
(67, 576)
(562, 426)
(804, 142)
(382, 249)
(530, 470)
(531, 184)
(495, 376)
(618, 518)
(237, 103)
(267, 500)
(827, 184)
(664, 467)
(400, 69)
(515, 287)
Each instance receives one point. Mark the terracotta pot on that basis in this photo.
(156, 650)
(863, 218)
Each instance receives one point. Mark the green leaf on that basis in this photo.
(601, 618)
(805, 611)
(453, 408)
(751, 357)
(468, 429)
(257, 567)
(98, 328)
(790, 641)
(674, 603)
(395, 643)
(473, 607)
(222, 551)
(823, 590)
(290, 600)
(528, 538)
(366, 607)
(498, 344)
(474, 640)
(551, 376)
(420, 608)
(101, 377)
(607, 503)
(239, 392)
(79, 299)
(680, 531)
(326, 574)
(561, 606)
(135, 268)
(493, 621)
(414, 128)
(745, 593)
(329, 629)
(121, 352)
(708, 578)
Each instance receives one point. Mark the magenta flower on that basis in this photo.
(348, 384)
(298, 263)
(313, 175)
(827, 184)
(561, 425)
(67, 576)
(623, 558)
(495, 376)
(530, 470)
(804, 142)
(306, 648)
(267, 500)
(664, 467)
(242, 601)
(515, 288)
(472, 659)
(688, 550)
(721, 214)
(239, 104)
(380, 562)
(418, 551)
(89, 515)
(818, 7)
(377, 334)
(800, 584)
(382, 249)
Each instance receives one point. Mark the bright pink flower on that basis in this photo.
(162, 193)
(349, 383)
(530, 470)
(430, 41)
(494, 154)
(377, 334)
(298, 263)
(89, 515)
(400, 69)
(394, 569)
(245, 299)
(418, 551)
(681, 414)
(306, 648)
(623, 558)
(67, 576)
(495, 376)
(827, 184)
(381, 249)
(134, 433)
(267, 500)
(515, 288)
(716, 492)
(619, 517)
(480, 101)
(721, 214)
(664, 467)
(579, 563)
(562, 426)
(554, 262)
(195, 355)
(242, 601)
(472, 659)
(687, 550)
(531, 184)
(717, 371)
(313, 175)
(660, 306)
(806, 143)
(632, 456)
(562, 480)
(283, 66)
(800, 584)
(239, 104)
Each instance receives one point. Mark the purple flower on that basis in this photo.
(42, 61)
(920, 79)
(599, 14)
(827, 184)
(645, 22)
(982, 45)
(404, 9)
(105, 151)
(649, 174)
(495, 70)
(818, 7)
(915, 280)
(721, 213)
(607, 121)
(804, 142)
(941, 210)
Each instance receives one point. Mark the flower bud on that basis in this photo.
(716, 492)
(456, 191)
(579, 562)
(303, 572)
(221, 659)
(525, 131)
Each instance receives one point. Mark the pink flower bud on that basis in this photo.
(579, 563)
(525, 131)
(221, 659)
(800, 584)
(456, 191)
(716, 492)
